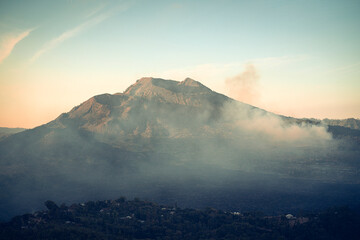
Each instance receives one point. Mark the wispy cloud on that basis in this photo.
(9, 41)
(69, 34)
(277, 61)
(345, 69)
(94, 11)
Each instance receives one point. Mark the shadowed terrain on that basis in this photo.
(135, 219)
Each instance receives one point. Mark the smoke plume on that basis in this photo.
(243, 87)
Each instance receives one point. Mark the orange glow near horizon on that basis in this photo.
(29, 106)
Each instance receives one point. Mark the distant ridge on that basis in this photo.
(6, 132)
(348, 123)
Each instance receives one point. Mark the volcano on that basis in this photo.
(174, 141)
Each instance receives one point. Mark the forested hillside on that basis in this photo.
(135, 219)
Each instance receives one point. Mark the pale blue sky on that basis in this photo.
(56, 54)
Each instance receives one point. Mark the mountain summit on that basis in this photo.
(185, 92)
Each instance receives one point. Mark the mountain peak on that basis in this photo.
(144, 80)
(191, 83)
(149, 86)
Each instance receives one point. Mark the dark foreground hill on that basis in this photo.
(121, 219)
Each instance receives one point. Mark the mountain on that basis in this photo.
(166, 140)
(6, 132)
(149, 108)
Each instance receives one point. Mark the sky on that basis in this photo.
(295, 58)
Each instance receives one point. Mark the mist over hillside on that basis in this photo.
(173, 141)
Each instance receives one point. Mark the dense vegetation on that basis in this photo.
(135, 219)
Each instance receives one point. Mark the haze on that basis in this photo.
(303, 56)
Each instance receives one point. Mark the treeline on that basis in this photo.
(135, 219)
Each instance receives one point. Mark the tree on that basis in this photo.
(51, 205)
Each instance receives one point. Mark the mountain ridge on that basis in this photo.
(171, 91)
